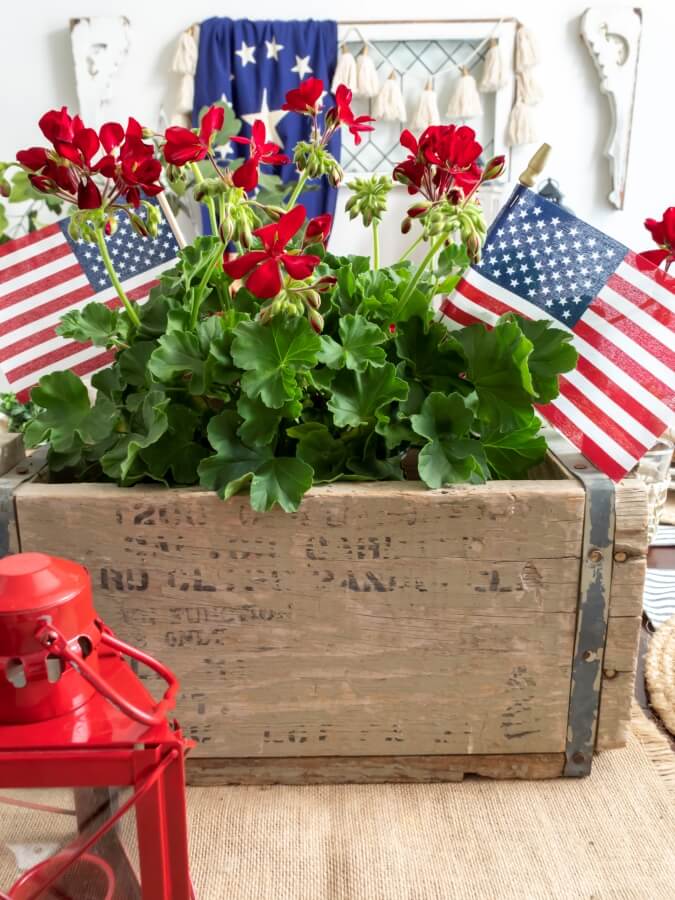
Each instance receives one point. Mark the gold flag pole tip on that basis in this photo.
(535, 166)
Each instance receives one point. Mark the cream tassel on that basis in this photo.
(494, 71)
(389, 103)
(526, 49)
(528, 88)
(366, 75)
(465, 100)
(184, 63)
(521, 128)
(427, 112)
(345, 71)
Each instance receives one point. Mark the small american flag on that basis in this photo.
(45, 274)
(541, 262)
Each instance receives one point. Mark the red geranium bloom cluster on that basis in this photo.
(342, 114)
(443, 162)
(68, 169)
(262, 151)
(183, 145)
(262, 268)
(663, 233)
(305, 98)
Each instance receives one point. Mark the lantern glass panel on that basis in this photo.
(42, 832)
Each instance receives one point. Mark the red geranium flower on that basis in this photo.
(444, 159)
(318, 229)
(305, 98)
(261, 152)
(262, 268)
(184, 145)
(342, 114)
(663, 233)
(129, 162)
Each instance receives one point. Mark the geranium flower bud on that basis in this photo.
(418, 210)
(406, 225)
(313, 299)
(315, 320)
(494, 168)
(473, 246)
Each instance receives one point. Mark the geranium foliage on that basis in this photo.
(284, 365)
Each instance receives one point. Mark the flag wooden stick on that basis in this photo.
(535, 166)
(171, 219)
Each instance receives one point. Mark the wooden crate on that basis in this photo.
(383, 632)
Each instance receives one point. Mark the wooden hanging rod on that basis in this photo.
(426, 21)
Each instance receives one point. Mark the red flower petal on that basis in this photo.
(258, 133)
(88, 195)
(319, 227)
(33, 158)
(276, 235)
(86, 140)
(408, 141)
(246, 176)
(654, 257)
(68, 151)
(265, 282)
(300, 267)
(305, 97)
(111, 135)
(242, 265)
(212, 122)
(134, 128)
(57, 125)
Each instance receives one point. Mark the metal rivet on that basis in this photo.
(580, 466)
(620, 556)
(595, 555)
(22, 470)
(587, 654)
(578, 757)
(609, 673)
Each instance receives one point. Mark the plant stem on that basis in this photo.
(198, 297)
(376, 245)
(297, 190)
(433, 250)
(412, 247)
(209, 200)
(117, 284)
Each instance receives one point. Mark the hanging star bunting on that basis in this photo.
(273, 49)
(246, 54)
(269, 116)
(302, 66)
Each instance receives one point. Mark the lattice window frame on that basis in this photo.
(471, 33)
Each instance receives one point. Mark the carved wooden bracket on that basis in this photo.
(612, 35)
(100, 46)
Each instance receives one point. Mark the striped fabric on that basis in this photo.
(541, 262)
(45, 274)
(659, 600)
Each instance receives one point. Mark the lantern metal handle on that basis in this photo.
(57, 643)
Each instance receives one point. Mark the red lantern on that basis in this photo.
(74, 715)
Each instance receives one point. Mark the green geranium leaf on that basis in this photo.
(147, 424)
(175, 452)
(512, 454)
(552, 354)
(179, 355)
(273, 355)
(450, 456)
(443, 417)
(359, 347)
(360, 397)
(282, 481)
(96, 323)
(260, 424)
(497, 366)
(109, 382)
(432, 358)
(133, 363)
(320, 450)
(66, 418)
(233, 463)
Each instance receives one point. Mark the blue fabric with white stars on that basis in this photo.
(252, 65)
(131, 254)
(548, 257)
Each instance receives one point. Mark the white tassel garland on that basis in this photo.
(345, 71)
(528, 88)
(465, 100)
(184, 63)
(389, 103)
(493, 77)
(526, 49)
(522, 127)
(427, 112)
(366, 75)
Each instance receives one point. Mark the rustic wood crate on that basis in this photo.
(383, 632)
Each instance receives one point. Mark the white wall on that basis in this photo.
(38, 75)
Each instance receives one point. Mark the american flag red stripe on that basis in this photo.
(621, 397)
(45, 274)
